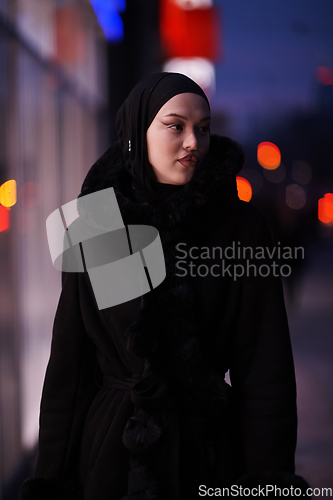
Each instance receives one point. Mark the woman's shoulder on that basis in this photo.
(244, 222)
(104, 172)
(247, 212)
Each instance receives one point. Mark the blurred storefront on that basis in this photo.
(54, 111)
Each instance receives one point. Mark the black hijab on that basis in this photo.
(133, 120)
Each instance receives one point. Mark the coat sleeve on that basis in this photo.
(68, 390)
(262, 370)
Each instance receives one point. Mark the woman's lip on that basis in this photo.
(190, 156)
(188, 163)
(189, 160)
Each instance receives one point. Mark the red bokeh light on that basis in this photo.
(4, 218)
(71, 41)
(268, 155)
(244, 189)
(189, 33)
(324, 75)
(325, 208)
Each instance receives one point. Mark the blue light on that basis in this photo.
(107, 12)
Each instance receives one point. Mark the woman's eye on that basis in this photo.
(177, 127)
(205, 129)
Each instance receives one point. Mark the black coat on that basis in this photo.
(134, 402)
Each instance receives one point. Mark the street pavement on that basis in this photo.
(311, 326)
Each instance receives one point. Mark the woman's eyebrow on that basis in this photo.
(184, 118)
(175, 114)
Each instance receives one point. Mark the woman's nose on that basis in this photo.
(191, 142)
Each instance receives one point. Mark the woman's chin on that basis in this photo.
(179, 179)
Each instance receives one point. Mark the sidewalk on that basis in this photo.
(311, 326)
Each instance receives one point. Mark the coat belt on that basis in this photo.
(124, 383)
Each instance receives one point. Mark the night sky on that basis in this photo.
(271, 49)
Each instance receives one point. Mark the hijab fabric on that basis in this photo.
(133, 120)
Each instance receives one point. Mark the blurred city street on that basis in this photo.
(311, 321)
(66, 67)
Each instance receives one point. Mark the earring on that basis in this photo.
(129, 145)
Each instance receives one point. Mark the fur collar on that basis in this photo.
(211, 189)
(164, 334)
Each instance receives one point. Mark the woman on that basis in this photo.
(134, 402)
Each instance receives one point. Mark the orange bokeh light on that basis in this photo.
(244, 189)
(268, 155)
(325, 208)
(4, 218)
(8, 194)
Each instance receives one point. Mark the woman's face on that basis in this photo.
(178, 138)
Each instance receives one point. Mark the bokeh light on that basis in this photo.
(301, 172)
(8, 194)
(194, 4)
(71, 43)
(277, 175)
(268, 155)
(295, 196)
(325, 208)
(201, 70)
(244, 189)
(324, 75)
(4, 218)
(329, 196)
(29, 194)
(189, 32)
(108, 15)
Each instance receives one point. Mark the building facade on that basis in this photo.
(54, 124)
